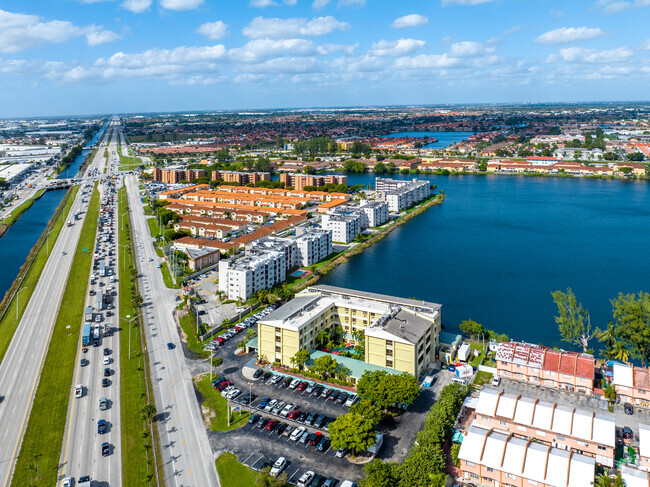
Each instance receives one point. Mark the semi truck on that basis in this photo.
(102, 269)
(86, 336)
(99, 301)
(89, 313)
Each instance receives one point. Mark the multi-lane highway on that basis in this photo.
(81, 452)
(187, 456)
(21, 366)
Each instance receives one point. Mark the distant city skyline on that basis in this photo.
(122, 56)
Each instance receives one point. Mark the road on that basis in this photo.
(187, 457)
(21, 366)
(81, 450)
(37, 180)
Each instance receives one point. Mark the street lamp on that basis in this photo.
(250, 390)
(124, 246)
(122, 217)
(17, 304)
(129, 322)
(47, 238)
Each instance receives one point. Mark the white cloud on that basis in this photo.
(99, 36)
(262, 3)
(22, 31)
(351, 3)
(412, 20)
(317, 4)
(580, 55)
(398, 48)
(513, 29)
(426, 61)
(180, 4)
(646, 45)
(136, 6)
(275, 28)
(556, 13)
(213, 30)
(470, 49)
(463, 2)
(260, 50)
(564, 35)
(361, 64)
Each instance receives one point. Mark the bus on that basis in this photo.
(86, 336)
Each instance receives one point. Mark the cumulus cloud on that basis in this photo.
(22, 31)
(565, 35)
(398, 48)
(137, 6)
(470, 49)
(580, 55)
(317, 4)
(180, 4)
(260, 50)
(213, 30)
(463, 2)
(269, 3)
(351, 3)
(275, 28)
(412, 20)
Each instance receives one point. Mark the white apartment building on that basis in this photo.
(400, 195)
(313, 246)
(240, 278)
(375, 212)
(344, 225)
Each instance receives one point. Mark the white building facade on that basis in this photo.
(375, 212)
(344, 225)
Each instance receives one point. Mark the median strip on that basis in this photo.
(43, 437)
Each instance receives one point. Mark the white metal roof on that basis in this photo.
(487, 402)
(581, 471)
(562, 419)
(535, 467)
(604, 430)
(472, 446)
(634, 477)
(506, 406)
(543, 415)
(493, 451)
(623, 375)
(525, 409)
(557, 468)
(644, 440)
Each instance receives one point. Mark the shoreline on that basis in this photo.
(20, 211)
(359, 248)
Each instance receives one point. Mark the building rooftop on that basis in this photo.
(357, 367)
(400, 325)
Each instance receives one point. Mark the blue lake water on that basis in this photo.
(498, 245)
(444, 138)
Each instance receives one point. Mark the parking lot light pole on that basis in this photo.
(250, 390)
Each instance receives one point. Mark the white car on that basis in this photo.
(227, 390)
(106, 360)
(233, 393)
(294, 383)
(78, 390)
(66, 482)
(270, 405)
(297, 433)
(287, 409)
(305, 478)
(278, 467)
(496, 380)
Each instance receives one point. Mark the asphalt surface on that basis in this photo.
(81, 452)
(187, 457)
(21, 366)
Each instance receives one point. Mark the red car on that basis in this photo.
(302, 386)
(222, 385)
(219, 340)
(272, 424)
(294, 414)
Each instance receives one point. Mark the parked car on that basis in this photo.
(628, 408)
(317, 481)
(270, 405)
(305, 479)
(262, 423)
(287, 432)
(287, 409)
(226, 391)
(294, 414)
(310, 387)
(297, 433)
(278, 407)
(303, 416)
(317, 391)
(267, 376)
(276, 379)
(334, 395)
(323, 444)
(330, 483)
(320, 421)
(351, 400)
(271, 424)
(341, 452)
(294, 383)
(302, 386)
(258, 373)
(280, 428)
(304, 437)
(254, 418)
(310, 419)
(286, 382)
(342, 398)
(278, 467)
(264, 402)
(627, 433)
(496, 380)
(326, 392)
(314, 438)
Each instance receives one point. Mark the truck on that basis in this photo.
(99, 301)
(89, 313)
(379, 440)
(86, 336)
(102, 269)
(96, 335)
(428, 381)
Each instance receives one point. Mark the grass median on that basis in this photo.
(232, 473)
(43, 437)
(11, 319)
(216, 415)
(137, 468)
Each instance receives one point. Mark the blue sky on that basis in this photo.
(60, 57)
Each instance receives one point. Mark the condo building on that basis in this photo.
(399, 334)
(375, 213)
(345, 224)
(400, 194)
(299, 181)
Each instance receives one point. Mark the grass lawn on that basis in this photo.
(9, 322)
(232, 473)
(476, 361)
(188, 324)
(154, 228)
(212, 400)
(127, 163)
(132, 380)
(46, 425)
(167, 277)
(17, 213)
(482, 378)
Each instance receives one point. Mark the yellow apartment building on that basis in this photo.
(400, 334)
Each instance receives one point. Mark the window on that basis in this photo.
(583, 443)
(510, 476)
(560, 438)
(487, 480)
(601, 447)
(489, 469)
(503, 423)
(389, 353)
(389, 343)
(278, 349)
(389, 363)
(473, 475)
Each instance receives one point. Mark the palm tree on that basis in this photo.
(322, 337)
(610, 393)
(621, 352)
(608, 337)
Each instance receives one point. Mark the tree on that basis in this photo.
(419, 464)
(621, 353)
(368, 410)
(385, 389)
(608, 337)
(632, 315)
(300, 358)
(309, 170)
(573, 320)
(352, 431)
(148, 411)
(604, 480)
(438, 479)
(325, 365)
(354, 166)
(472, 328)
(610, 393)
(380, 474)
(380, 168)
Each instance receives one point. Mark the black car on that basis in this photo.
(267, 376)
(280, 428)
(101, 426)
(314, 438)
(286, 382)
(628, 408)
(258, 373)
(320, 421)
(310, 419)
(107, 372)
(317, 390)
(84, 362)
(342, 398)
(254, 418)
(262, 424)
(317, 481)
(106, 382)
(334, 395)
(324, 444)
(627, 433)
(303, 416)
(106, 449)
(107, 351)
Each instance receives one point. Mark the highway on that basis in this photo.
(81, 450)
(21, 367)
(187, 457)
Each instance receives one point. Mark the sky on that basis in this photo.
(77, 57)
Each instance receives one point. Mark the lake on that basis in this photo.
(444, 138)
(498, 245)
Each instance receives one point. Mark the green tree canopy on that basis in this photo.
(472, 328)
(300, 358)
(573, 320)
(384, 389)
(325, 365)
(352, 431)
(380, 474)
(632, 315)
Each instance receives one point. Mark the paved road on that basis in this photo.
(37, 180)
(81, 451)
(187, 456)
(21, 367)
